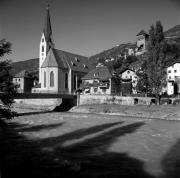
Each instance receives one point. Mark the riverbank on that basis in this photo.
(167, 112)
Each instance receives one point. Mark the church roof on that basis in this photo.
(63, 59)
(54, 60)
(100, 72)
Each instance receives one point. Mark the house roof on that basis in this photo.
(22, 74)
(100, 72)
(171, 64)
(122, 71)
(63, 59)
(142, 32)
(172, 61)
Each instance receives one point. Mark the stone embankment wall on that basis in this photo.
(109, 99)
(39, 103)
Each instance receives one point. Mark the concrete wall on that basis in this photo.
(109, 99)
(39, 103)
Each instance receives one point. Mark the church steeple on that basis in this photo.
(47, 30)
(46, 42)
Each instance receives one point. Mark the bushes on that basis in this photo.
(176, 101)
(7, 113)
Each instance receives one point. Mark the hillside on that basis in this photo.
(172, 36)
(173, 32)
(30, 65)
(115, 52)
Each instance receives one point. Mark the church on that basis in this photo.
(59, 71)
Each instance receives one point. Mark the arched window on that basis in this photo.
(44, 79)
(66, 80)
(51, 79)
(42, 48)
(75, 82)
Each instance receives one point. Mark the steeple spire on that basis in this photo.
(47, 28)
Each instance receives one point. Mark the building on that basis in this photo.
(59, 71)
(173, 78)
(24, 82)
(101, 81)
(142, 41)
(129, 80)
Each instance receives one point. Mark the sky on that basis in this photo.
(84, 27)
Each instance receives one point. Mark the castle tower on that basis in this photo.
(142, 40)
(46, 42)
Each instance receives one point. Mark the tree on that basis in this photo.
(156, 59)
(7, 88)
(143, 84)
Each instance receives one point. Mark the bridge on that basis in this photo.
(44, 96)
(68, 100)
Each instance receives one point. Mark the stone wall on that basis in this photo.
(109, 99)
(39, 103)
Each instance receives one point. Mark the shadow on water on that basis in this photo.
(171, 162)
(51, 158)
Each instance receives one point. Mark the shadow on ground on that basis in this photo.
(51, 158)
(171, 162)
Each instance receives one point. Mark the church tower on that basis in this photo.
(46, 42)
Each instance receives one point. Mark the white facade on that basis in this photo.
(99, 89)
(173, 75)
(130, 75)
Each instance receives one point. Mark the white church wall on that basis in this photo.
(42, 55)
(61, 81)
(48, 88)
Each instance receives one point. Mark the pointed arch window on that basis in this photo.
(44, 79)
(75, 82)
(42, 48)
(66, 80)
(51, 79)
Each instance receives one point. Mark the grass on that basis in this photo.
(88, 145)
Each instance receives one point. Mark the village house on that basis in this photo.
(59, 71)
(129, 81)
(173, 79)
(23, 81)
(101, 81)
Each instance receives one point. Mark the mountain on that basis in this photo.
(115, 52)
(173, 32)
(31, 65)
